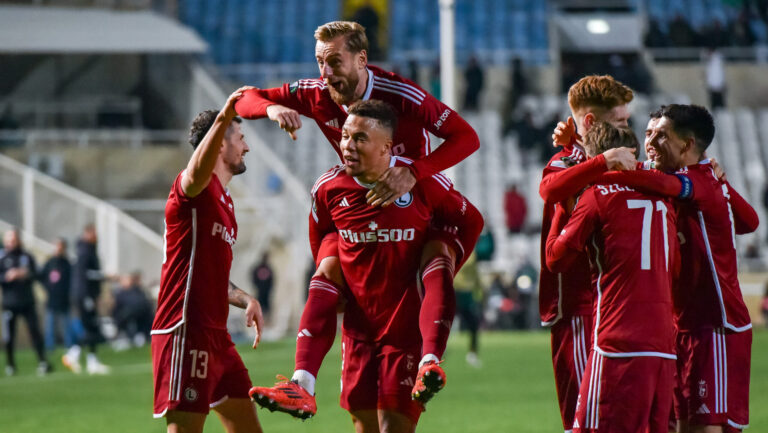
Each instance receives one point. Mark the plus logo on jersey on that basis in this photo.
(221, 230)
(377, 235)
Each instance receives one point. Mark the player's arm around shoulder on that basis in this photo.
(200, 167)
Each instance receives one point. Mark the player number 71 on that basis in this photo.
(645, 251)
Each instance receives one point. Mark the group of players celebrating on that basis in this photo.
(639, 271)
(388, 232)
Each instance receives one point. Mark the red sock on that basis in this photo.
(317, 327)
(438, 306)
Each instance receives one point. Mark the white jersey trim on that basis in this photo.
(219, 401)
(161, 414)
(716, 278)
(369, 88)
(412, 89)
(738, 426)
(189, 280)
(634, 354)
(580, 354)
(326, 177)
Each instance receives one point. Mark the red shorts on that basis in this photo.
(195, 370)
(462, 243)
(379, 376)
(713, 377)
(631, 394)
(571, 344)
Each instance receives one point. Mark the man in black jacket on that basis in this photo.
(17, 272)
(86, 287)
(56, 278)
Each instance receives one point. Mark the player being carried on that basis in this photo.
(194, 362)
(389, 322)
(346, 78)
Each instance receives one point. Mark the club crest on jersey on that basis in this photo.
(404, 200)
(190, 394)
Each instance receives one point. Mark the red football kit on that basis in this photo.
(194, 361)
(418, 113)
(380, 250)
(714, 342)
(631, 241)
(565, 298)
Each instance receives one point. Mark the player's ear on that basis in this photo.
(387, 148)
(589, 120)
(362, 58)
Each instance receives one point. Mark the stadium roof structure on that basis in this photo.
(49, 30)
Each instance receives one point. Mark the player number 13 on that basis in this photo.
(199, 363)
(645, 250)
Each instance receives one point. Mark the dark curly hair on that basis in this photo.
(202, 124)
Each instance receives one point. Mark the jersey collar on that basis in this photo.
(368, 90)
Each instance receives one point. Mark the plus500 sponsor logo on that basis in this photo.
(220, 230)
(380, 235)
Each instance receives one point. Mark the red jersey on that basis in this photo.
(197, 256)
(418, 113)
(380, 248)
(630, 238)
(562, 294)
(709, 295)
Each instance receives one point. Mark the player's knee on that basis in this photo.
(330, 269)
(365, 421)
(436, 248)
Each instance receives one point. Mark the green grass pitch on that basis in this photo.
(513, 391)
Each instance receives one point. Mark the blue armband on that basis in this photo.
(686, 189)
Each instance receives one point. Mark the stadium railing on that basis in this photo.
(45, 208)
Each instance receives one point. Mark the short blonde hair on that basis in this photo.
(600, 92)
(603, 136)
(356, 40)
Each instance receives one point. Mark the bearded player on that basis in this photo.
(194, 362)
(346, 78)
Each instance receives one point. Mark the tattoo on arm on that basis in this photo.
(238, 297)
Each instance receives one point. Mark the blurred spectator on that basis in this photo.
(56, 277)
(17, 273)
(741, 31)
(367, 17)
(715, 35)
(518, 87)
(528, 134)
(655, 37)
(262, 278)
(525, 283)
(485, 245)
(132, 311)
(681, 34)
(434, 80)
(515, 210)
(413, 71)
(469, 297)
(499, 305)
(86, 287)
(474, 79)
(715, 76)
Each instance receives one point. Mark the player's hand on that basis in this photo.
(395, 182)
(229, 106)
(565, 133)
(620, 158)
(254, 318)
(718, 169)
(287, 118)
